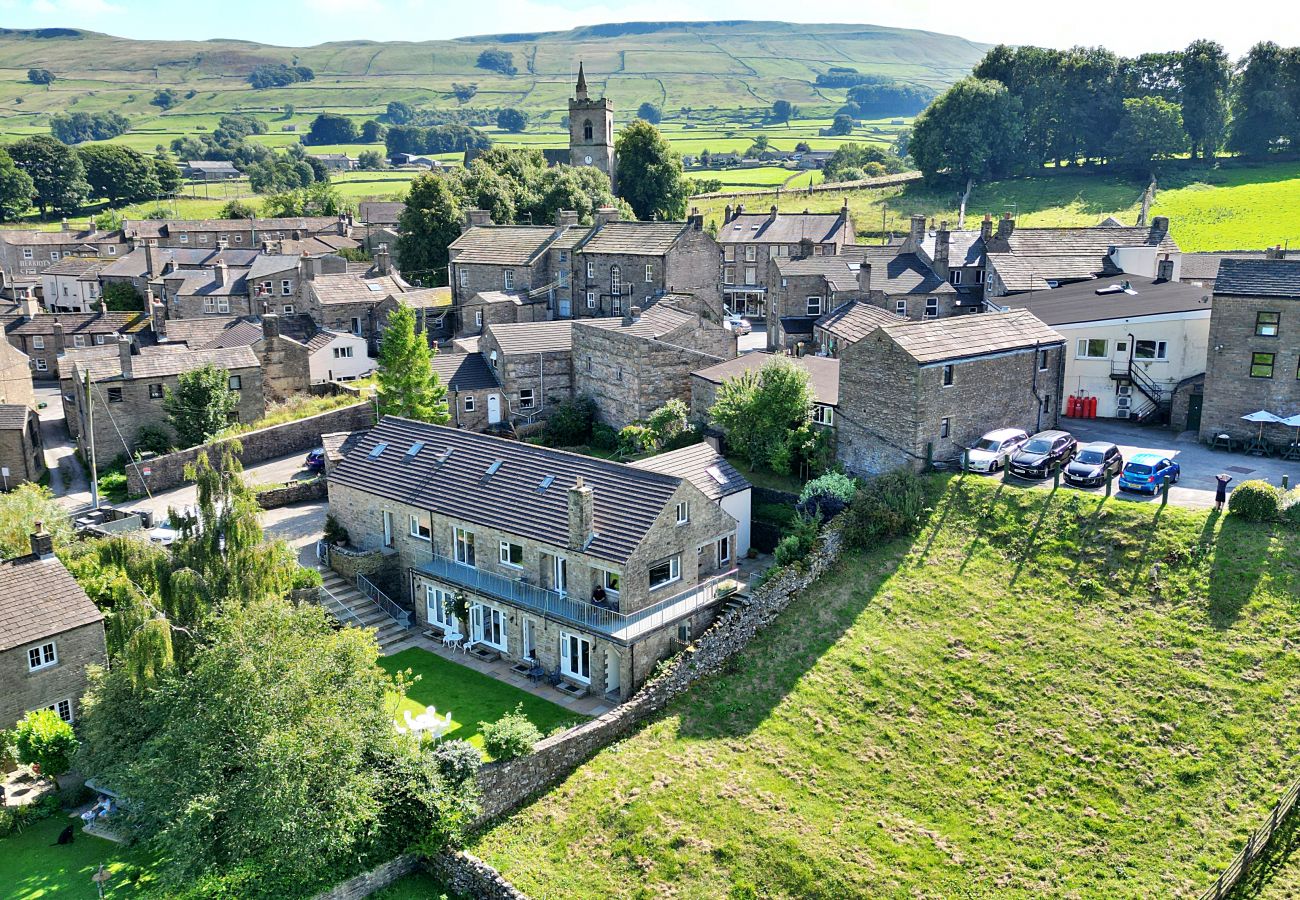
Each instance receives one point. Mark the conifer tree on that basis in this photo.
(408, 386)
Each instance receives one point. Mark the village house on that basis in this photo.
(849, 324)
(275, 280)
(751, 242)
(513, 265)
(914, 392)
(703, 466)
(473, 392)
(16, 377)
(50, 632)
(334, 162)
(43, 336)
(72, 285)
(222, 290)
(585, 567)
(236, 233)
(1131, 342)
(346, 297)
(534, 364)
(22, 454)
(1253, 362)
(432, 307)
(378, 224)
(1202, 269)
(295, 354)
(144, 266)
(25, 254)
(823, 378)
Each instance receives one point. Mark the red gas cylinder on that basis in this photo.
(1069, 406)
(1092, 407)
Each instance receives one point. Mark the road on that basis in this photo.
(67, 475)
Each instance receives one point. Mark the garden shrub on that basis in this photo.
(634, 440)
(603, 437)
(16, 819)
(798, 542)
(457, 761)
(885, 507)
(334, 532)
(153, 439)
(827, 495)
(571, 423)
(1255, 501)
(1291, 508)
(510, 736)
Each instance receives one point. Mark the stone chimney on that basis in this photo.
(772, 214)
(1006, 226)
(270, 326)
(476, 217)
(1160, 225)
(582, 515)
(310, 266)
(606, 214)
(942, 246)
(150, 257)
(1275, 252)
(91, 226)
(219, 272)
(864, 277)
(726, 215)
(58, 337)
(632, 315)
(566, 218)
(383, 261)
(695, 219)
(986, 227)
(42, 542)
(124, 354)
(844, 212)
(28, 305)
(740, 210)
(157, 312)
(915, 236)
(65, 224)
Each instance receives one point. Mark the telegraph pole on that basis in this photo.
(90, 436)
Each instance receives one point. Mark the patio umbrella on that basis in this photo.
(1263, 417)
(1293, 422)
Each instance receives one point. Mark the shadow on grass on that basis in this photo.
(1032, 540)
(1277, 864)
(1240, 555)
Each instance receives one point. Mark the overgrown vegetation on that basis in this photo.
(510, 736)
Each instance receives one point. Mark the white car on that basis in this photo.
(991, 452)
(738, 323)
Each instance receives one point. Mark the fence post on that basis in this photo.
(1164, 494)
(965, 461)
(1110, 478)
(1286, 482)
(1056, 476)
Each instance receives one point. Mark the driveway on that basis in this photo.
(67, 476)
(280, 470)
(1199, 463)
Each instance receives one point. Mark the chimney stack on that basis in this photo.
(805, 248)
(942, 245)
(477, 217)
(986, 227)
(42, 542)
(632, 315)
(91, 226)
(696, 219)
(58, 337)
(219, 272)
(606, 214)
(28, 304)
(157, 312)
(864, 277)
(1160, 224)
(582, 515)
(270, 325)
(726, 214)
(844, 211)
(1006, 225)
(383, 261)
(150, 257)
(772, 216)
(124, 354)
(566, 218)
(915, 236)
(65, 225)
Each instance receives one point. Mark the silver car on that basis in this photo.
(991, 452)
(738, 323)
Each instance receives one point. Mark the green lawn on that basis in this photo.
(1043, 694)
(417, 886)
(33, 865)
(471, 696)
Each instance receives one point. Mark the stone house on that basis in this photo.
(633, 365)
(849, 324)
(72, 284)
(1201, 269)
(432, 308)
(43, 336)
(16, 377)
(128, 391)
(275, 282)
(50, 631)
(1254, 347)
(22, 454)
(25, 254)
(144, 266)
(913, 392)
(347, 298)
(221, 290)
(335, 162)
(534, 365)
(751, 242)
(234, 233)
(473, 392)
(1132, 342)
(588, 567)
(703, 466)
(823, 378)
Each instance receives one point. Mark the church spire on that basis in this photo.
(581, 93)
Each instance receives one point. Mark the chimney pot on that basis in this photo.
(65, 225)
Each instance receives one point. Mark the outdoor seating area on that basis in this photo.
(1282, 446)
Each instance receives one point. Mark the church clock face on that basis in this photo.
(587, 160)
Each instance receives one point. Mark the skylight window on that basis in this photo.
(715, 472)
(415, 448)
(376, 288)
(378, 449)
(546, 482)
(446, 455)
(494, 468)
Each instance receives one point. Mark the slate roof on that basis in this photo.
(694, 464)
(352, 287)
(891, 271)
(203, 282)
(633, 238)
(13, 416)
(132, 265)
(940, 340)
(823, 372)
(196, 332)
(501, 245)
(81, 266)
(32, 237)
(1081, 303)
(242, 334)
(855, 320)
(338, 444)
(465, 371)
(784, 228)
(375, 212)
(425, 298)
(1259, 278)
(655, 321)
(626, 500)
(533, 337)
(964, 247)
(272, 264)
(40, 599)
(84, 323)
(159, 362)
(147, 228)
(1032, 256)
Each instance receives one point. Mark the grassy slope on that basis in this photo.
(33, 865)
(1010, 705)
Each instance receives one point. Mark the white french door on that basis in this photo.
(437, 605)
(575, 657)
(529, 639)
(488, 626)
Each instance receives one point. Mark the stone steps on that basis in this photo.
(351, 607)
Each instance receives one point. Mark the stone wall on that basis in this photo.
(376, 879)
(831, 188)
(168, 470)
(466, 875)
(294, 492)
(350, 563)
(22, 689)
(507, 785)
(1230, 390)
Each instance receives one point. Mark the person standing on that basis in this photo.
(1221, 489)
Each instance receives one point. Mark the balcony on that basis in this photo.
(618, 626)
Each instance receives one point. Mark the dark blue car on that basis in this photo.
(316, 460)
(1146, 473)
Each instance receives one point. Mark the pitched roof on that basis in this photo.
(147, 228)
(34, 237)
(40, 599)
(464, 371)
(81, 266)
(1259, 278)
(784, 228)
(1091, 301)
(702, 466)
(203, 282)
(532, 337)
(1031, 256)
(653, 322)
(353, 287)
(14, 415)
(501, 245)
(242, 334)
(855, 320)
(272, 264)
(425, 298)
(84, 323)
(378, 212)
(159, 362)
(196, 332)
(960, 337)
(964, 247)
(823, 372)
(891, 271)
(512, 499)
(633, 238)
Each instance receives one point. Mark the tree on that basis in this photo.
(372, 132)
(766, 414)
(408, 386)
(237, 209)
(841, 125)
(320, 198)
(79, 127)
(972, 131)
(58, 178)
(21, 509)
(278, 75)
(167, 173)
(1152, 129)
(429, 222)
(463, 92)
(371, 160)
(1205, 74)
(761, 145)
(44, 740)
(200, 405)
(16, 189)
(497, 61)
(164, 99)
(783, 111)
(119, 174)
(330, 128)
(120, 296)
(650, 175)
(512, 120)
(1260, 112)
(877, 101)
(280, 173)
(399, 113)
(649, 112)
(670, 425)
(40, 76)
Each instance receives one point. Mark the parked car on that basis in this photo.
(315, 460)
(1042, 453)
(1093, 464)
(737, 323)
(1146, 473)
(992, 451)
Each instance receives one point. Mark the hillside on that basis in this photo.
(700, 65)
(1043, 694)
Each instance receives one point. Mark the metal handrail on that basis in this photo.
(383, 601)
(575, 610)
(343, 612)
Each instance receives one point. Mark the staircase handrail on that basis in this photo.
(383, 601)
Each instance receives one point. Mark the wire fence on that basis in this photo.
(1256, 843)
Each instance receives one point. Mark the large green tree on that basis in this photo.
(1260, 112)
(16, 189)
(650, 174)
(766, 414)
(21, 509)
(119, 174)
(972, 132)
(408, 386)
(58, 177)
(200, 405)
(331, 128)
(430, 221)
(1205, 75)
(1151, 129)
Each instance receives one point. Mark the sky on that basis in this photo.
(1124, 26)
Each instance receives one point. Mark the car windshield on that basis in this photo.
(1038, 446)
(987, 444)
(1092, 457)
(1137, 469)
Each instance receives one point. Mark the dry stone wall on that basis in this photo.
(376, 879)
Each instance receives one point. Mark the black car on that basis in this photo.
(1042, 453)
(1093, 464)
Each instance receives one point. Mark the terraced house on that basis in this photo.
(590, 568)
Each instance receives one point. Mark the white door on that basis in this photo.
(530, 648)
(612, 680)
(561, 581)
(494, 408)
(388, 528)
(575, 657)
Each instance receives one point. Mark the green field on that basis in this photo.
(33, 865)
(1043, 694)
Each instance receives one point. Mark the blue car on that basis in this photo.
(1145, 473)
(315, 460)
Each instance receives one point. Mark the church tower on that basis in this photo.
(591, 129)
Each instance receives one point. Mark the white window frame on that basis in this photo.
(1161, 350)
(38, 342)
(480, 616)
(814, 306)
(945, 427)
(184, 239)
(286, 287)
(900, 307)
(236, 382)
(1081, 348)
(504, 553)
(508, 280)
(156, 392)
(478, 318)
(27, 253)
(42, 656)
(462, 544)
(932, 307)
(729, 275)
(674, 572)
(751, 276)
(203, 238)
(529, 401)
(419, 530)
(954, 276)
(58, 708)
(591, 269)
(683, 512)
(462, 276)
(979, 276)
(615, 281)
(729, 253)
(41, 364)
(610, 581)
(99, 339)
(287, 309)
(823, 414)
(78, 340)
(469, 403)
(649, 273)
(591, 299)
(437, 608)
(569, 643)
(54, 256)
(751, 253)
